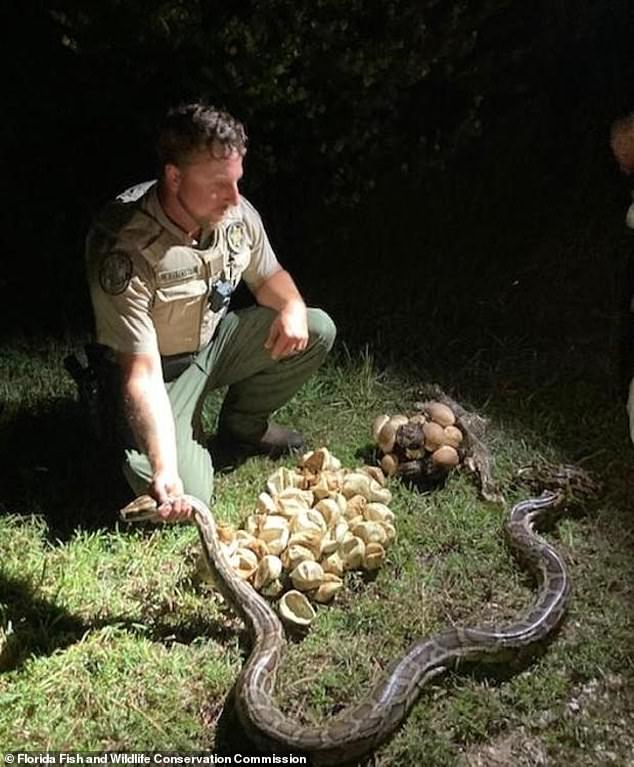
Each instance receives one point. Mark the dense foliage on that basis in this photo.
(337, 89)
(339, 97)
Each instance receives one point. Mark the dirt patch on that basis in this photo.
(595, 727)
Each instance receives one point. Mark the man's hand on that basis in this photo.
(150, 416)
(167, 488)
(622, 143)
(289, 331)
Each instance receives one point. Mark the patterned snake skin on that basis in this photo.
(360, 728)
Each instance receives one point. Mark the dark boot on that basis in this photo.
(229, 452)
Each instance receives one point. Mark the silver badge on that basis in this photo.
(115, 273)
(235, 236)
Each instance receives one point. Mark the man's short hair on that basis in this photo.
(191, 128)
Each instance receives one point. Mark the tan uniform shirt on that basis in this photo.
(150, 284)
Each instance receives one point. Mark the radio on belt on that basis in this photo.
(220, 294)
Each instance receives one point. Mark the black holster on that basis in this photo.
(176, 364)
(98, 382)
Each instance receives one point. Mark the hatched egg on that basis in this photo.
(268, 570)
(378, 512)
(315, 460)
(295, 554)
(334, 536)
(303, 496)
(265, 504)
(321, 488)
(333, 563)
(390, 531)
(329, 510)
(356, 506)
(290, 507)
(277, 541)
(308, 519)
(374, 556)
(295, 609)
(370, 532)
(352, 551)
(375, 473)
(273, 589)
(244, 562)
(326, 591)
(226, 533)
(309, 539)
(307, 575)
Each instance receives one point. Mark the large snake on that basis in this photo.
(360, 728)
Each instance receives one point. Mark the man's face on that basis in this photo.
(622, 142)
(207, 185)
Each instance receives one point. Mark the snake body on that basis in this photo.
(362, 727)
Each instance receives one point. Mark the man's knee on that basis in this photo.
(136, 469)
(321, 328)
(196, 473)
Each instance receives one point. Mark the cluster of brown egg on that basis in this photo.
(427, 444)
(313, 523)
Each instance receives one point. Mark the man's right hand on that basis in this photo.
(150, 415)
(167, 488)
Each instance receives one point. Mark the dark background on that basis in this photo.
(435, 173)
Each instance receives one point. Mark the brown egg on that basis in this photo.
(386, 437)
(378, 423)
(434, 436)
(453, 436)
(389, 464)
(445, 457)
(398, 420)
(440, 413)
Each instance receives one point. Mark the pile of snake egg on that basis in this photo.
(425, 445)
(313, 523)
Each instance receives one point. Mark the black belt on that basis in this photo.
(175, 364)
(101, 359)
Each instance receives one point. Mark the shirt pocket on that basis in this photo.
(178, 314)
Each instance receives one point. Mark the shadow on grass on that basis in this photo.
(55, 468)
(39, 627)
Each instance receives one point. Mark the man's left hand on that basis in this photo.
(289, 332)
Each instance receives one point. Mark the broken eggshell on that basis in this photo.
(295, 609)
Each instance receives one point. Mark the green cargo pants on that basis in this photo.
(258, 385)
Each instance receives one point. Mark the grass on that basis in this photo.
(109, 641)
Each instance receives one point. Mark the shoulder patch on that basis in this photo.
(134, 193)
(115, 272)
(235, 236)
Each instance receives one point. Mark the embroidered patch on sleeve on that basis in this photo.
(235, 236)
(115, 273)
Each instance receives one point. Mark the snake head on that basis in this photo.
(142, 508)
(575, 485)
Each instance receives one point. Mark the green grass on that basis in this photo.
(109, 640)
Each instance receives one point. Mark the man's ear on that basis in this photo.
(172, 176)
